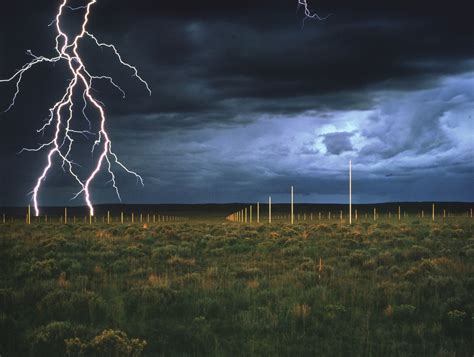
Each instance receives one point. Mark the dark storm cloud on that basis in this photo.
(231, 75)
(337, 143)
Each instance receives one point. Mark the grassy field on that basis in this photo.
(217, 288)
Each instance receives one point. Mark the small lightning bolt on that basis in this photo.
(308, 14)
(61, 114)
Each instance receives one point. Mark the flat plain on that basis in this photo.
(214, 288)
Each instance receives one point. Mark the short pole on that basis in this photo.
(270, 209)
(433, 212)
(121, 217)
(258, 212)
(292, 208)
(65, 215)
(250, 214)
(399, 213)
(245, 215)
(375, 213)
(108, 217)
(28, 217)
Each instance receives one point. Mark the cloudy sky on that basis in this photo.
(247, 101)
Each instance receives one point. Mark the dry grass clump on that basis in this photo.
(301, 311)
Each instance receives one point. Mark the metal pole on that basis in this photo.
(270, 209)
(292, 209)
(350, 191)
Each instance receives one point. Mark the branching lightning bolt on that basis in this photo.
(310, 15)
(61, 114)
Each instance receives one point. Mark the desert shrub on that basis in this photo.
(110, 343)
(165, 252)
(369, 264)
(149, 300)
(49, 340)
(120, 266)
(394, 270)
(323, 228)
(291, 251)
(248, 273)
(7, 299)
(350, 243)
(417, 253)
(308, 265)
(307, 278)
(178, 262)
(357, 258)
(237, 248)
(456, 319)
(43, 269)
(203, 337)
(334, 311)
(469, 253)
(385, 259)
(185, 250)
(84, 307)
(70, 266)
(404, 312)
(135, 251)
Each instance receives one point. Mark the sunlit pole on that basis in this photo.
(258, 212)
(350, 191)
(270, 209)
(292, 209)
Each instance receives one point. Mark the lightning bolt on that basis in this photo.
(308, 14)
(61, 114)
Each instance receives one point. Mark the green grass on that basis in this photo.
(212, 288)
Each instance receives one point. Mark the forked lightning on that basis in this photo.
(60, 116)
